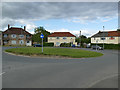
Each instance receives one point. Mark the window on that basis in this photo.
(57, 37)
(27, 36)
(13, 36)
(64, 38)
(21, 42)
(5, 35)
(57, 44)
(94, 38)
(28, 41)
(13, 42)
(103, 38)
(112, 38)
(5, 41)
(21, 36)
(50, 38)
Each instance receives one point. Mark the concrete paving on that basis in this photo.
(31, 72)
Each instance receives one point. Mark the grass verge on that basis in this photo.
(66, 52)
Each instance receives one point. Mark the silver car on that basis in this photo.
(97, 47)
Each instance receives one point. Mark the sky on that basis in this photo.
(87, 17)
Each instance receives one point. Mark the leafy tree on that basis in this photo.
(118, 29)
(38, 31)
(84, 39)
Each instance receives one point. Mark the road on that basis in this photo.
(34, 72)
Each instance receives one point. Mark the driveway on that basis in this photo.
(31, 72)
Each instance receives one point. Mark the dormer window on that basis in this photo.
(13, 35)
(21, 36)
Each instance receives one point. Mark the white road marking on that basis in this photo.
(2, 73)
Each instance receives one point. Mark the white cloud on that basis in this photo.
(87, 33)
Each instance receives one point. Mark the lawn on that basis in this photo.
(73, 53)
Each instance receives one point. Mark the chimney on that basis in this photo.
(24, 27)
(8, 26)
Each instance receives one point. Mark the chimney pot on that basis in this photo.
(24, 27)
(8, 26)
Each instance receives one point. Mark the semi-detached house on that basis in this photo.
(16, 36)
(61, 37)
(107, 37)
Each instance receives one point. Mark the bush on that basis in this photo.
(65, 45)
(48, 44)
(109, 46)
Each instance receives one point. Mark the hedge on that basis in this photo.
(48, 44)
(109, 46)
(65, 45)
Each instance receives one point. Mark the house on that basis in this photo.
(16, 36)
(61, 37)
(107, 37)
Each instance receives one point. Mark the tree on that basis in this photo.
(84, 39)
(38, 31)
(118, 29)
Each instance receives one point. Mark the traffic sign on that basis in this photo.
(42, 36)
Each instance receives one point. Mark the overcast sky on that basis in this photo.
(67, 16)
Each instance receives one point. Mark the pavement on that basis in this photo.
(34, 72)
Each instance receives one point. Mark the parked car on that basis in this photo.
(37, 45)
(88, 45)
(73, 45)
(97, 47)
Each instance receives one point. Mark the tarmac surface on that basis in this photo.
(34, 72)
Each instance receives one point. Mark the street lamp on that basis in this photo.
(103, 36)
(80, 38)
(96, 43)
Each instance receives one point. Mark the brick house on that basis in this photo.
(16, 36)
(108, 37)
(61, 37)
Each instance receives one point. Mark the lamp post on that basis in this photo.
(42, 36)
(96, 44)
(103, 36)
(80, 38)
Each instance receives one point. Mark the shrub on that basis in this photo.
(109, 46)
(48, 44)
(65, 45)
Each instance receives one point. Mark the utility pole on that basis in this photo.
(103, 36)
(80, 39)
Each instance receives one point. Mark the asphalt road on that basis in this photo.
(31, 72)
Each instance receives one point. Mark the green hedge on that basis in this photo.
(48, 44)
(109, 46)
(65, 45)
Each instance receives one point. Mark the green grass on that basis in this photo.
(73, 53)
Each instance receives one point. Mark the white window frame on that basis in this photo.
(64, 37)
(21, 35)
(20, 42)
(13, 35)
(57, 37)
(5, 41)
(13, 42)
(5, 35)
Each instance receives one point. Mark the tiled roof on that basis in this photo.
(15, 30)
(107, 34)
(114, 33)
(61, 34)
(101, 34)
